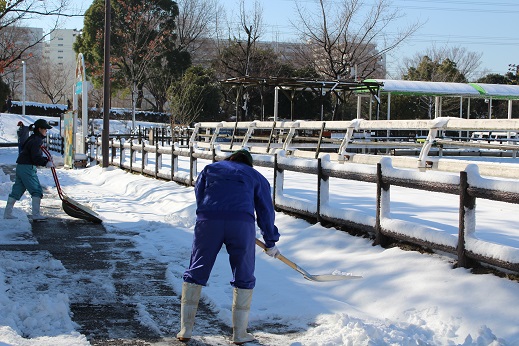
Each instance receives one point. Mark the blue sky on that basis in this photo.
(481, 26)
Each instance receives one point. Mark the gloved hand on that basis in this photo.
(273, 251)
(49, 164)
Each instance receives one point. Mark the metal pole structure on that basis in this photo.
(84, 106)
(106, 86)
(23, 87)
(276, 101)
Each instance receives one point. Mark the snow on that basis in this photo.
(433, 88)
(404, 297)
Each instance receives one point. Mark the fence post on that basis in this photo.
(158, 159)
(113, 151)
(380, 239)
(122, 151)
(144, 157)
(275, 179)
(192, 166)
(174, 161)
(233, 134)
(271, 136)
(322, 189)
(96, 148)
(278, 180)
(318, 148)
(132, 157)
(467, 203)
(162, 130)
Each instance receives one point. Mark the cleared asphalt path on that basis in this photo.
(95, 260)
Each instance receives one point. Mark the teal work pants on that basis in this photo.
(26, 180)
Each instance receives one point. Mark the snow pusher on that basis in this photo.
(71, 207)
(308, 276)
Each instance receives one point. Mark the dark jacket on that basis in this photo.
(23, 134)
(31, 152)
(236, 191)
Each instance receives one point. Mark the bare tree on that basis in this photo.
(236, 53)
(142, 30)
(347, 35)
(158, 83)
(51, 80)
(13, 41)
(195, 26)
(244, 38)
(195, 22)
(12, 16)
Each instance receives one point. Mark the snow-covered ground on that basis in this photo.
(404, 298)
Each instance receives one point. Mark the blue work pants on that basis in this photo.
(239, 239)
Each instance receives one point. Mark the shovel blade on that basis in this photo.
(331, 277)
(74, 209)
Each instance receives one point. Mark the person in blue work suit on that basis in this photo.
(26, 168)
(23, 134)
(228, 194)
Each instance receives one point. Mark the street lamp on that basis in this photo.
(23, 87)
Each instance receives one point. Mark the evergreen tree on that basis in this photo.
(142, 37)
(195, 97)
(422, 107)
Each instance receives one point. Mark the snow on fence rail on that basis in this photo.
(469, 185)
(310, 138)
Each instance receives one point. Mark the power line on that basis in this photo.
(465, 2)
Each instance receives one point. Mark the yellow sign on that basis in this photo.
(69, 152)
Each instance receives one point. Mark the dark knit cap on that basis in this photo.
(241, 155)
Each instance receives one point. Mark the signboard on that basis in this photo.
(79, 87)
(68, 134)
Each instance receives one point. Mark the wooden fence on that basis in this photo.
(153, 160)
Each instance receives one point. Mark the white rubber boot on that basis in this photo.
(8, 213)
(189, 305)
(240, 316)
(36, 216)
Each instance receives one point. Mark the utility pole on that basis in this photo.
(106, 87)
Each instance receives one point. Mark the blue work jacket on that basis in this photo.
(236, 191)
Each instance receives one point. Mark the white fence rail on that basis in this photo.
(310, 138)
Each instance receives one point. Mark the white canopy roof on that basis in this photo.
(480, 90)
(498, 90)
(426, 88)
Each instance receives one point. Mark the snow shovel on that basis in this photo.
(308, 276)
(71, 207)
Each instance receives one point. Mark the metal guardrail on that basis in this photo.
(53, 143)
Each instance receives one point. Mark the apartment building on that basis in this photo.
(58, 48)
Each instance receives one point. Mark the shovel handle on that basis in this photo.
(283, 258)
(306, 275)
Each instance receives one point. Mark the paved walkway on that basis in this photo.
(117, 296)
